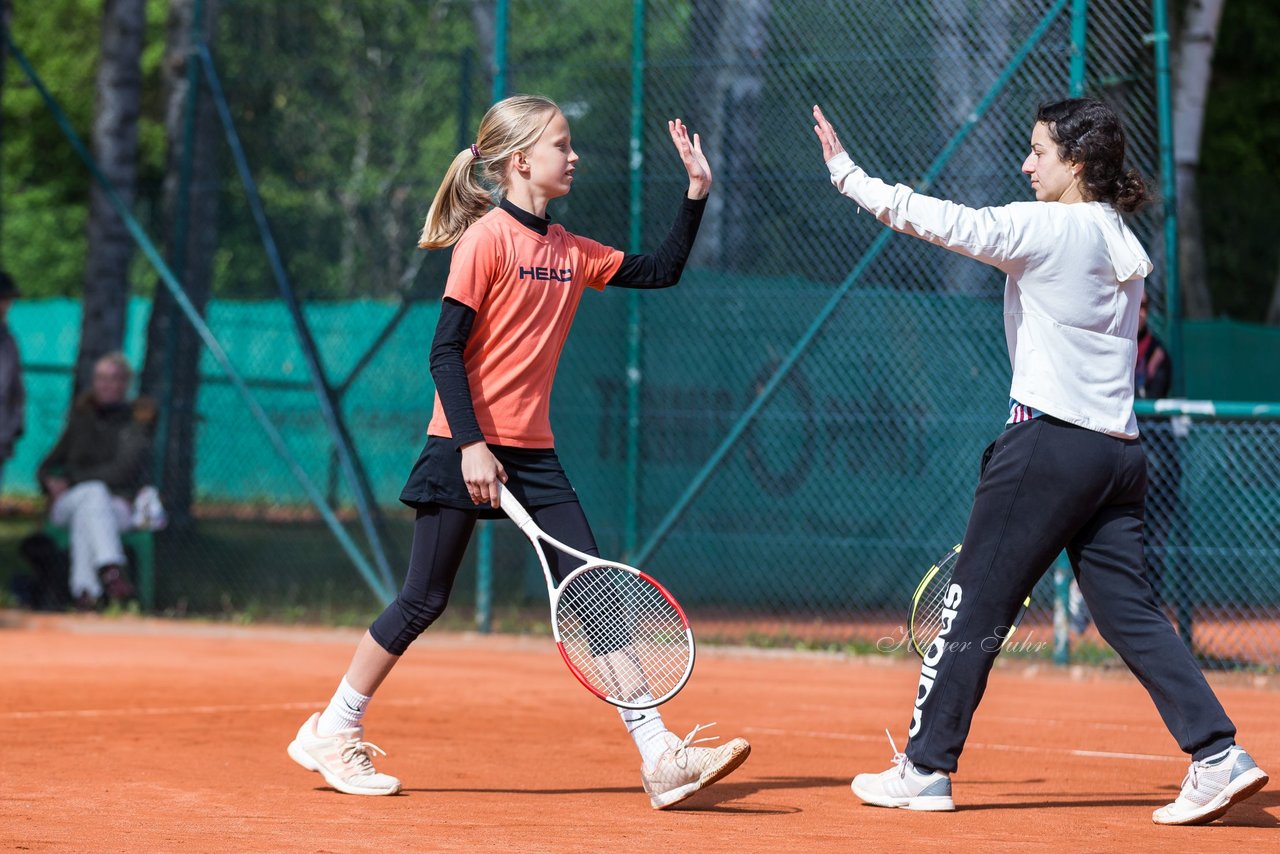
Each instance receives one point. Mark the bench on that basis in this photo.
(143, 546)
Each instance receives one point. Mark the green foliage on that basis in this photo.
(44, 248)
(349, 115)
(350, 110)
(46, 185)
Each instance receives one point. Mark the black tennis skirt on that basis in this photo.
(534, 476)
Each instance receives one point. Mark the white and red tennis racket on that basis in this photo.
(622, 634)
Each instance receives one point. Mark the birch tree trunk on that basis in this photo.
(484, 17)
(115, 147)
(1273, 313)
(971, 45)
(1193, 64)
(731, 112)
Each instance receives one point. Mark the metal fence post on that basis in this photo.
(1079, 45)
(634, 316)
(1169, 193)
(484, 547)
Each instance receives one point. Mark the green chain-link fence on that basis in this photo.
(792, 435)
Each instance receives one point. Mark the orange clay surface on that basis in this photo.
(149, 735)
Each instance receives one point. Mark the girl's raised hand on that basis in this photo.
(695, 162)
(831, 145)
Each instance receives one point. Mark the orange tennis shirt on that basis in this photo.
(524, 288)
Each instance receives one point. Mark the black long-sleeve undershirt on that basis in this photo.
(450, 372)
(660, 269)
(663, 268)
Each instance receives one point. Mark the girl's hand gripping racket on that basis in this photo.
(933, 606)
(621, 633)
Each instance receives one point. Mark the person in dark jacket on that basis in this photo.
(1153, 369)
(92, 476)
(13, 396)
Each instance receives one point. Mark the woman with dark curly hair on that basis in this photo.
(1068, 471)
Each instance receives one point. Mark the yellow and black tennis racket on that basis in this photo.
(934, 602)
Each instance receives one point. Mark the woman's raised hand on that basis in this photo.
(831, 145)
(695, 162)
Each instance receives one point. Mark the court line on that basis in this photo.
(184, 710)
(1053, 722)
(315, 704)
(1011, 748)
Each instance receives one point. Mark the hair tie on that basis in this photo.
(475, 152)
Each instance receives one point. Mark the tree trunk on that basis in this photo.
(1193, 63)
(484, 17)
(171, 374)
(1273, 313)
(972, 44)
(115, 146)
(730, 114)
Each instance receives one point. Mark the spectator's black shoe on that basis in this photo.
(117, 587)
(86, 603)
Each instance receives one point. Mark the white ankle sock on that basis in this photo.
(647, 728)
(344, 711)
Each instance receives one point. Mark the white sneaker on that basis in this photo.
(683, 769)
(1212, 787)
(905, 786)
(343, 759)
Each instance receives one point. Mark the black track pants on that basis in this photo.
(1050, 485)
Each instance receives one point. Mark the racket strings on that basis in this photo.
(622, 634)
(926, 616)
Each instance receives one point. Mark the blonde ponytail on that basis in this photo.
(460, 201)
(513, 124)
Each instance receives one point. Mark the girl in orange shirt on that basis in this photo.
(513, 288)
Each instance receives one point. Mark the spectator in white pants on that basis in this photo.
(92, 476)
(96, 518)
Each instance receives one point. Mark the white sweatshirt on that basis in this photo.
(1075, 279)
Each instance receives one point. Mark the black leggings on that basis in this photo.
(440, 537)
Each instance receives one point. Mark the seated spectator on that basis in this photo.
(92, 476)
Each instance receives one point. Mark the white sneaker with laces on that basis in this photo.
(1213, 786)
(344, 759)
(905, 787)
(683, 769)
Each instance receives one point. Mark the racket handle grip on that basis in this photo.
(512, 507)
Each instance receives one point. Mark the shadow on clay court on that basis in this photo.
(1259, 811)
(1255, 812)
(718, 798)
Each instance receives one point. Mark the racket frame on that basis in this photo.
(915, 597)
(524, 521)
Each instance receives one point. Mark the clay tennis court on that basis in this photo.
(152, 735)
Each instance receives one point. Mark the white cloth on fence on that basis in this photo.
(95, 518)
